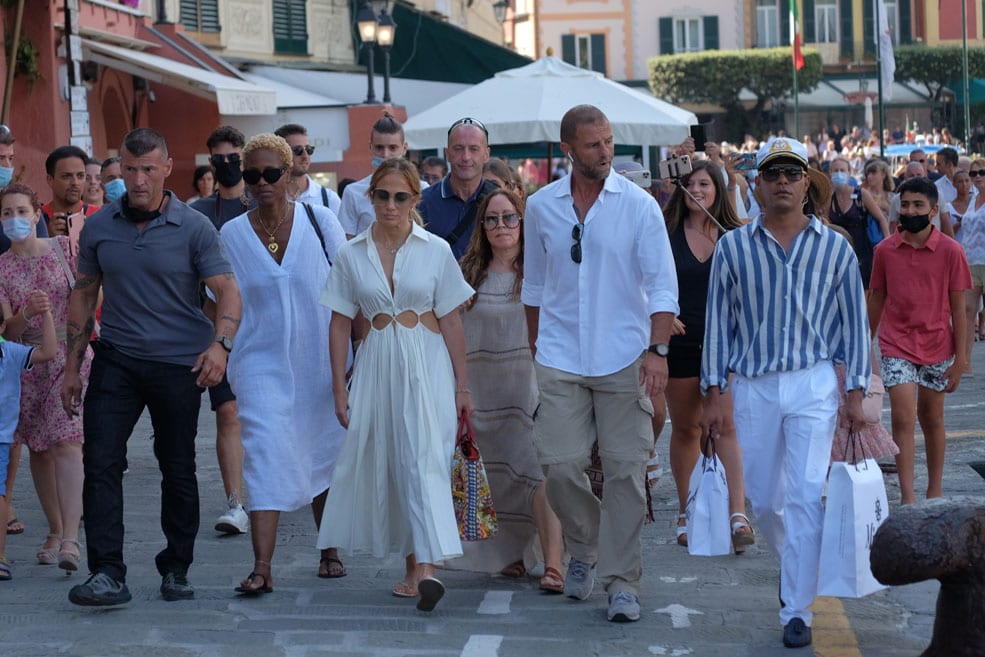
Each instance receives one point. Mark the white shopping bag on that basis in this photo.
(708, 531)
(855, 508)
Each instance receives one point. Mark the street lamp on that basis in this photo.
(386, 30)
(366, 21)
(499, 10)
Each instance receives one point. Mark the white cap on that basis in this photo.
(781, 147)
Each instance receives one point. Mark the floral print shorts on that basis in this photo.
(899, 370)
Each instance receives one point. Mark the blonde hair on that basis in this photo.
(266, 141)
(411, 176)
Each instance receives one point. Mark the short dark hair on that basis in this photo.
(580, 115)
(435, 161)
(6, 136)
(948, 155)
(63, 153)
(107, 163)
(93, 160)
(142, 141)
(920, 186)
(200, 172)
(289, 129)
(388, 125)
(227, 134)
(21, 188)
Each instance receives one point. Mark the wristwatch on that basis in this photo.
(227, 343)
(660, 349)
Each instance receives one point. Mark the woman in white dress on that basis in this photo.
(277, 366)
(393, 487)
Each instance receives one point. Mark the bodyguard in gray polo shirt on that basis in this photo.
(157, 350)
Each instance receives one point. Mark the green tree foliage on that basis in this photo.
(936, 66)
(718, 77)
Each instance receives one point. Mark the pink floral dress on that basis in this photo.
(43, 422)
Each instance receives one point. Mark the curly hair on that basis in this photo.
(404, 168)
(676, 209)
(266, 141)
(20, 188)
(475, 262)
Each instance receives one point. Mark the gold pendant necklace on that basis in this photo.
(272, 244)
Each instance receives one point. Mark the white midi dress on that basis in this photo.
(279, 368)
(392, 490)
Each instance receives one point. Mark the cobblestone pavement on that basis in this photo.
(707, 607)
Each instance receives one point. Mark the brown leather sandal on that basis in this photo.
(552, 581)
(246, 586)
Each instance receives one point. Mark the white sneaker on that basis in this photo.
(234, 520)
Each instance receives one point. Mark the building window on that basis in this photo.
(290, 27)
(200, 15)
(584, 51)
(767, 24)
(892, 17)
(826, 21)
(687, 35)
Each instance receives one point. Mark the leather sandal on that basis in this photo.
(328, 572)
(682, 529)
(246, 586)
(67, 559)
(514, 570)
(741, 539)
(552, 581)
(404, 590)
(48, 556)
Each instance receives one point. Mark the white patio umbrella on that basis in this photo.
(525, 104)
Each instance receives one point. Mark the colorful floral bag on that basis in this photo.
(470, 488)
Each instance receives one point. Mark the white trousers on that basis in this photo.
(785, 423)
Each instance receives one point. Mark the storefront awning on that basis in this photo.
(233, 96)
(426, 48)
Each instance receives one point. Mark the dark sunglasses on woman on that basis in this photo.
(270, 174)
(383, 197)
(509, 219)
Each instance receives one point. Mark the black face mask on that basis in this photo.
(914, 223)
(228, 174)
(136, 216)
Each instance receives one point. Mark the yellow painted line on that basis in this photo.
(832, 632)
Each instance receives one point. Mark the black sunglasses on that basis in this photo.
(270, 174)
(469, 121)
(297, 150)
(217, 159)
(576, 232)
(976, 173)
(509, 219)
(383, 197)
(772, 174)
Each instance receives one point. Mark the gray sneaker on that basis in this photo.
(580, 580)
(624, 607)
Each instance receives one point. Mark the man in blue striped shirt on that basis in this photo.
(784, 303)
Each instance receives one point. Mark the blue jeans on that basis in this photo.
(120, 387)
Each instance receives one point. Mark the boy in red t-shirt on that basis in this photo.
(919, 278)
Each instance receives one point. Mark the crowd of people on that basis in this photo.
(742, 296)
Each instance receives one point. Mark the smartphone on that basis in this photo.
(701, 133)
(75, 223)
(745, 161)
(675, 167)
(641, 177)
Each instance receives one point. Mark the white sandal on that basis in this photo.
(682, 530)
(741, 540)
(653, 471)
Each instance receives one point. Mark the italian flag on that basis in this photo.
(798, 55)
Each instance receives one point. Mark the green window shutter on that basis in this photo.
(290, 27)
(710, 25)
(868, 29)
(568, 49)
(667, 36)
(810, 25)
(200, 15)
(847, 37)
(598, 53)
(905, 25)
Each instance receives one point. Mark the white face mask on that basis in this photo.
(839, 178)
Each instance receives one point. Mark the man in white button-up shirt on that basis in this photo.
(600, 291)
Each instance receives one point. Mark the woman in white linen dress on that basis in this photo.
(277, 367)
(392, 491)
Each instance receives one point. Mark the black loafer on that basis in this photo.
(100, 590)
(796, 634)
(175, 586)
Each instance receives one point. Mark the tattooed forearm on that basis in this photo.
(77, 338)
(87, 281)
